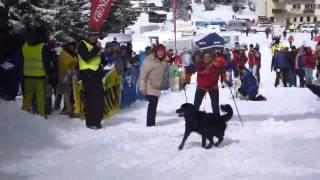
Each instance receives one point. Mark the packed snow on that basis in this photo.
(280, 139)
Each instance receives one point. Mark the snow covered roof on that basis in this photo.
(156, 2)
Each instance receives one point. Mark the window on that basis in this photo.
(314, 19)
(301, 19)
(308, 18)
(295, 19)
(310, 6)
(318, 6)
(296, 6)
(272, 19)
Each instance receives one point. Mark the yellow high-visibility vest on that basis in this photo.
(93, 63)
(33, 62)
(274, 47)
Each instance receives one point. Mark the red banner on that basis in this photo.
(99, 11)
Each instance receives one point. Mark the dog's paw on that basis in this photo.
(217, 143)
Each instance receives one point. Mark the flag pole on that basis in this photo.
(175, 24)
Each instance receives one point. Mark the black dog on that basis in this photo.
(207, 125)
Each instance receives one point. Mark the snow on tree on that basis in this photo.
(69, 17)
(120, 17)
(182, 8)
(182, 12)
(166, 4)
(209, 5)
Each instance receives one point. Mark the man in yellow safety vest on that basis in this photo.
(36, 60)
(91, 75)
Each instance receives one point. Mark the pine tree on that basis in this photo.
(182, 12)
(166, 4)
(120, 17)
(70, 17)
(182, 5)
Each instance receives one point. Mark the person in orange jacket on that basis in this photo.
(209, 68)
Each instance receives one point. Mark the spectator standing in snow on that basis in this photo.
(53, 80)
(227, 56)
(144, 55)
(11, 60)
(107, 57)
(290, 40)
(251, 57)
(36, 58)
(129, 51)
(243, 58)
(317, 56)
(152, 76)
(121, 61)
(208, 71)
(171, 56)
(291, 56)
(281, 67)
(310, 64)
(236, 57)
(284, 34)
(257, 64)
(91, 75)
(68, 62)
(247, 31)
(299, 66)
(268, 31)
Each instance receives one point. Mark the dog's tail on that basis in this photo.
(229, 112)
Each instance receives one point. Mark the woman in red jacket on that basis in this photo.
(209, 68)
(309, 65)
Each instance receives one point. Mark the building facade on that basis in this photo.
(285, 12)
(261, 9)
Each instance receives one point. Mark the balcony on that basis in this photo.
(300, 1)
(308, 11)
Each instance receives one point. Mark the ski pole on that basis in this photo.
(236, 106)
(185, 94)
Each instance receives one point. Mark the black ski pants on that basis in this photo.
(214, 96)
(152, 110)
(93, 97)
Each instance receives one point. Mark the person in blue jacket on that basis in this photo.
(144, 55)
(249, 86)
(281, 65)
(107, 57)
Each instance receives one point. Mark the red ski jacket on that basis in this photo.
(208, 74)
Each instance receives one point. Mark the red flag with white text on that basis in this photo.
(99, 12)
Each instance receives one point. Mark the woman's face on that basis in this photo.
(161, 54)
(197, 58)
(206, 58)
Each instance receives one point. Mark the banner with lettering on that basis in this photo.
(112, 83)
(99, 11)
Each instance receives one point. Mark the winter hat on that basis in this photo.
(160, 47)
(108, 45)
(93, 33)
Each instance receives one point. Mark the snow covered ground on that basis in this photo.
(280, 139)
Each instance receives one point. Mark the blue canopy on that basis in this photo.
(211, 40)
